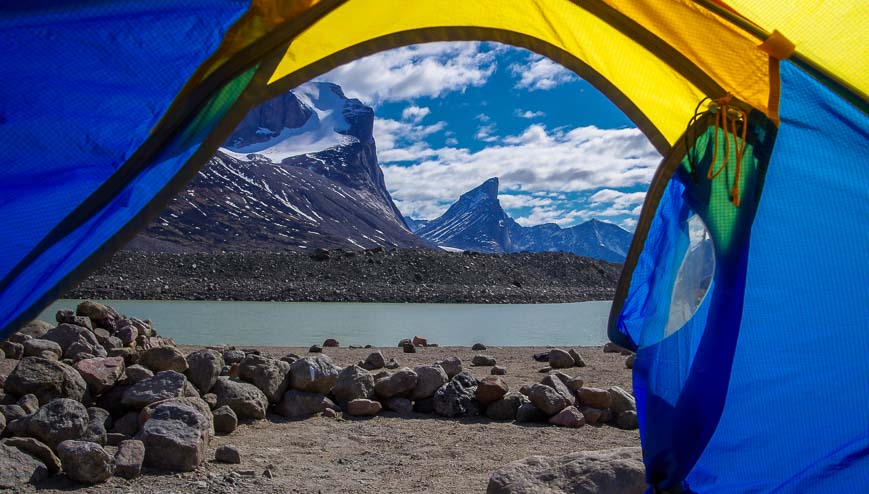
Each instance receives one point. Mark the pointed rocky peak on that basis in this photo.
(486, 190)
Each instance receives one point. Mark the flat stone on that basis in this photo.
(363, 407)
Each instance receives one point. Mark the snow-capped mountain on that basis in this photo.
(299, 172)
(478, 222)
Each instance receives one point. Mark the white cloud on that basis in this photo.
(486, 133)
(415, 113)
(429, 69)
(537, 161)
(540, 73)
(403, 141)
(451, 141)
(528, 114)
(513, 201)
(617, 198)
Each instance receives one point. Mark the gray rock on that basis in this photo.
(399, 383)
(129, 458)
(203, 369)
(491, 388)
(611, 347)
(629, 361)
(594, 397)
(111, 343)
(392, 364)
(35, 328)
(95, 311)
(556, 383)
(565, 378)
(478, 347)
(227, 453)
(615, 471)
(175, 438)
(627, 420)
(85, 462)
(211, 399)
(409, 348)
(2, 424)
(128, 425)
(42, 348)
(592, 415)
(13, 412)
(316, 374)
(271, 376)
(225, 420)
(164, 358)
(47, 379)
(574, 384)
(297, 404)
(401, 406)
(527, 412)
(499, 371)
(101, 373)
(12, 350)
(456, 398)
(246, 400)
(127, 335)
(622, 401)
(115, 438)
(483, 361)
(506, 407)
(136, 373)
(233, 356)
(315, 349)
(66, 335)
(559, 359)
(353, 383)
(374, 361)
(99, 421)
(2, 354)
(547, 399)
(18, 338)
(58, 421)
(164, 385)
(577, 358)
(451, 365)
(81, 350)
(18, 468)
(429, 378)
(29, 403)
(38, 450)
(194, 402)
(363, 407)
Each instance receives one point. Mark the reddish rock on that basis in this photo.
(331, 343)
(569, 417)
(417, 341)
(101, 373)
(490, 389)
(594, 397)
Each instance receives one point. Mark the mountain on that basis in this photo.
(415, 225)
(299, 172)
(478, 222)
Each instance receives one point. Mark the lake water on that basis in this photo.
(303, 324)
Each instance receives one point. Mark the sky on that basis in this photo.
(448, 116)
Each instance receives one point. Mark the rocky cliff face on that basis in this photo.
(477, 222)
(299, 172)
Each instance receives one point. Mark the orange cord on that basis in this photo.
(731, 115)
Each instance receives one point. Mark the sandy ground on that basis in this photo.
(388, 453)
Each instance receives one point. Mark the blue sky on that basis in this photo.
(450, 115)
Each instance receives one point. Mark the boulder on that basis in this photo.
(175, 438)
(42, 348)
(12, 350)
(505, 408)
(227, 453)
(547, 399)
(128, 424)
(246, 400)
(627, 420)
(409, 349)
(577, 358)
(556, 383)
(67, 335)
(28, 402)
(527, 412)
(483, 361)
(136, 373)
(560, 359)
(401, 406)
(331, 343)
(478, 347)
(353, 383)
(574, 384)
(164, 385)
(405, 342)
(490, 389)
(374, 361)
(99, 421)
(203, 369)
(561, 375)
(129, 458)
(316, 374)
(456, 398)
(419, 341)
(18, 468)
(297, 404)
(363, 407)
(615, 471)
(164, 358)
(233, 356)
(428, 379)
(13, 412)
(400, 382)
(541, 357)
(498, 371)
(594, 397)
(611, 347)
(194, 402)
(35, 328)
(315, 349)
(622, 401)
(85, 462)
(271, 376)
(36, 449)
(592, 415)
(225, 420)
(127, 335)
(569, 417)
(81, 350)
(101, 373)
(451, 365)
(58, 421)
(95, 311)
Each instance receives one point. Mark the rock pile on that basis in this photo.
(100, 380)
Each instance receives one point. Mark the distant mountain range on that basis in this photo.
(477, 222)
(300, 172)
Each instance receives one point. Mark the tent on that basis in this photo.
(745, 292)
